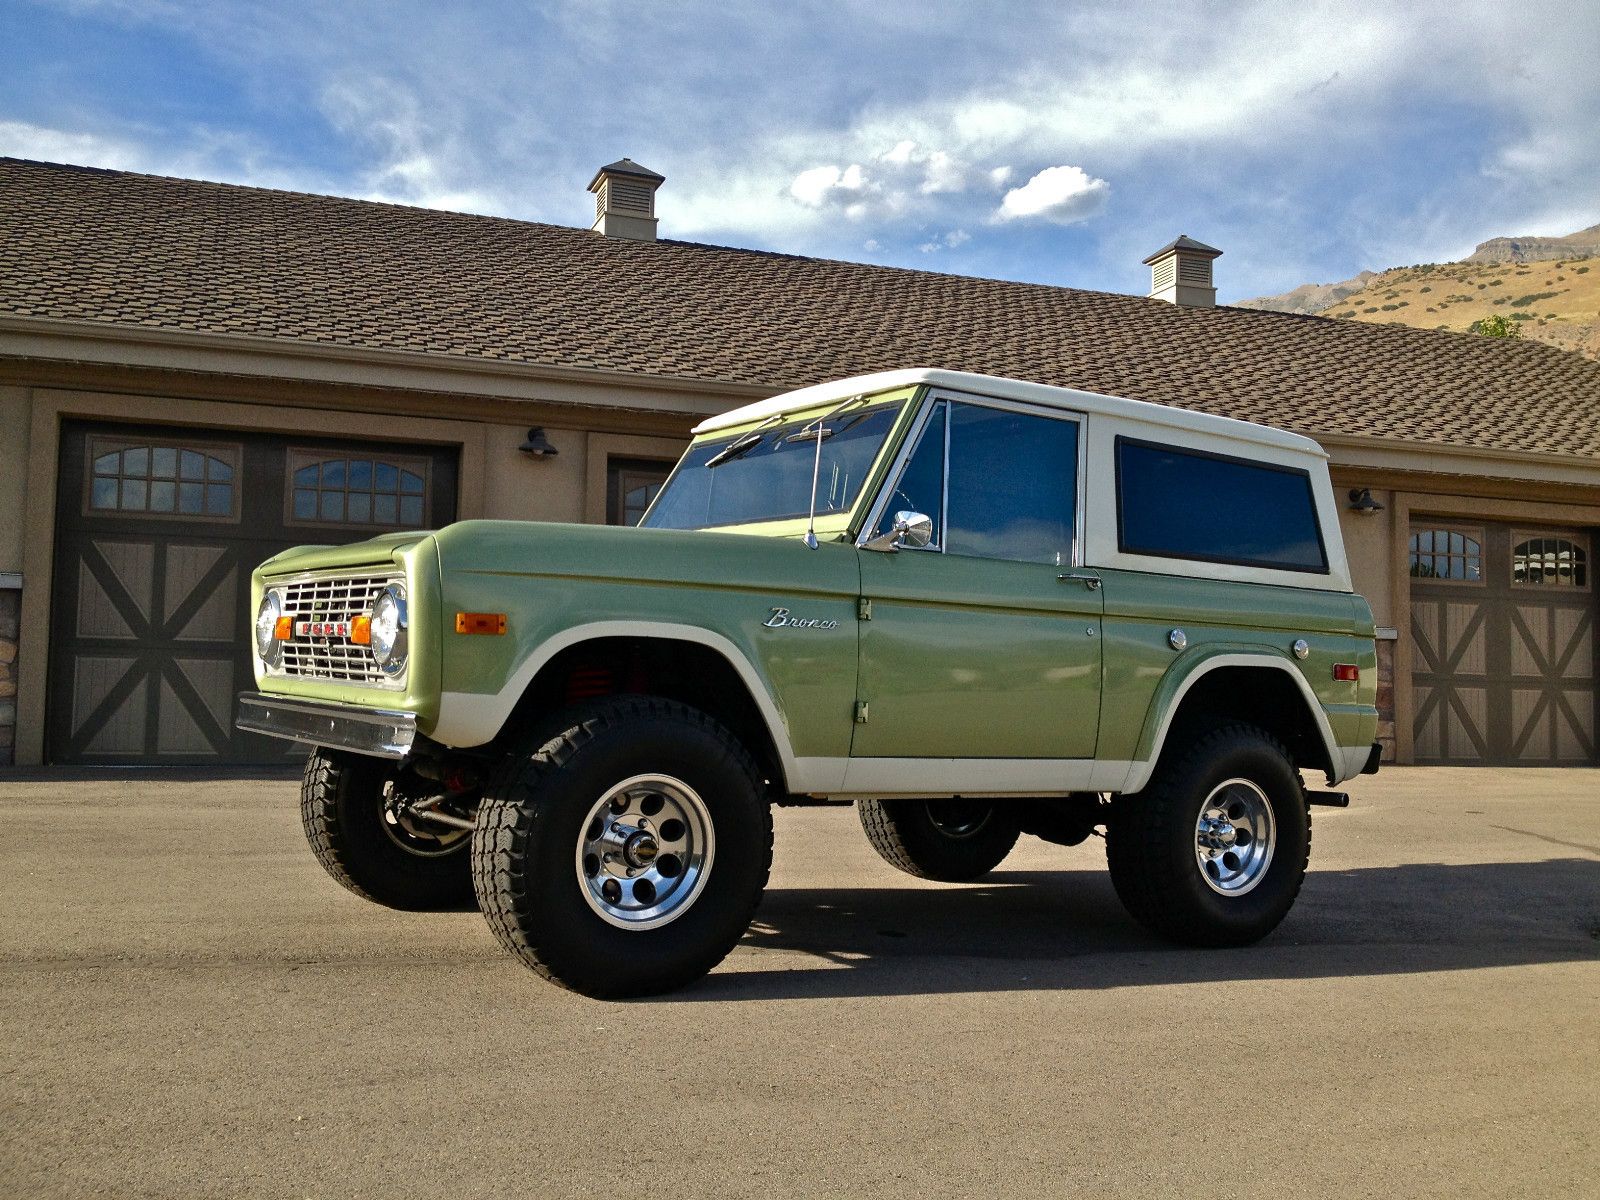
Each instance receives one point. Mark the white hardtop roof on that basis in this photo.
(1013, 389)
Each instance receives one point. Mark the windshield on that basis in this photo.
(765, 474)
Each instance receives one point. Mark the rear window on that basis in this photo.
(1186, 504)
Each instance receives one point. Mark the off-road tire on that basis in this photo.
(906, 836)
(1150, 841)
(532, 816)
(341, 806)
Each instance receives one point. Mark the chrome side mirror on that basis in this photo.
(911, 531)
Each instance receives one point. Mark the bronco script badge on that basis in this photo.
(780, 619)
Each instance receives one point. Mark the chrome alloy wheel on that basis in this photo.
(644, 852)
(1235, 837)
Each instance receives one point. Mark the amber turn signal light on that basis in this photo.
(480, 622)
(361, 631)
(283, 630)
(1346, 672)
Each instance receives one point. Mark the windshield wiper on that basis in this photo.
(741, 446)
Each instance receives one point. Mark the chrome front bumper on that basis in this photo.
(381, 733)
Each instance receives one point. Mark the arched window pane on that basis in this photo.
(1550, 562)
(1446, 554)
(359, 491)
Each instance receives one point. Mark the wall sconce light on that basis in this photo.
(1361, 501)
(537, 445)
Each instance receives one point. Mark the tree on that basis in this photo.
(1496, 325)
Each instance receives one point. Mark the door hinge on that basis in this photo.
(863, 608)
(861, 712)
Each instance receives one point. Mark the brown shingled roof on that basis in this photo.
(107, 246)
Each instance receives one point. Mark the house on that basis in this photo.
(194, 375)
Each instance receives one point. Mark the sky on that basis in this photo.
(1054, 143)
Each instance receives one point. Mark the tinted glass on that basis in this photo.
(1184, 505)
(921, 486)
(1013, 485)
(772, 479)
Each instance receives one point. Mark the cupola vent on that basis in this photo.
(625, 200)
(1180, 273)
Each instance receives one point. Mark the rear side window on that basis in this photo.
(1184, 504)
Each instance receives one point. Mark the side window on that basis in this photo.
(1187, 504)
(921, 486)
(1013, 485)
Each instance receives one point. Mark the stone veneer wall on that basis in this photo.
(1386, 697)
(10, 609)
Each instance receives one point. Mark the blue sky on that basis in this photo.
(1051, 142)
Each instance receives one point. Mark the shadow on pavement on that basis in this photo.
(1063, 930)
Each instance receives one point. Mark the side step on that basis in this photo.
(1329, 799)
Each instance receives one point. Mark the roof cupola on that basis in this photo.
(1180, 273)
(625, 200)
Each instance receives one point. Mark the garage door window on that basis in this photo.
(1447, 554)
(1549, 562)
(153, 479)
(357, 491)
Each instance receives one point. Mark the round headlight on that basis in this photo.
(389, 630)
(267, 645)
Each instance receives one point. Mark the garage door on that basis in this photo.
(1502, 621)
(157, 531)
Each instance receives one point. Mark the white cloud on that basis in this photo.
(1062, 195)
(21, 140)
(951, 240)
(418, 161)
(822, 187)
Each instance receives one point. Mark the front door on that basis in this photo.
(978, 647)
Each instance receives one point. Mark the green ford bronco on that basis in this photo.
(973, 607)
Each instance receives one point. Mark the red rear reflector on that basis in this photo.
(1346, 672)
(283, 630)
(361, 631)
(480, 622)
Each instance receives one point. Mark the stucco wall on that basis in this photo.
(15, 416)
(1369, 544)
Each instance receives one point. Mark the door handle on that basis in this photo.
(1092, 582)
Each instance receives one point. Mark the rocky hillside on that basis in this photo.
(1550, 286)
(1583, 244)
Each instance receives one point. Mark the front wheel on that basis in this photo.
(361, 829)
(624, 854)
(1214, 850)
(953, 841)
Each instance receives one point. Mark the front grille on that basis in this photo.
(339, 599)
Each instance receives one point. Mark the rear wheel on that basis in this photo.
(952, 840)
(1214, 851)
(363, 833)
(624, 854)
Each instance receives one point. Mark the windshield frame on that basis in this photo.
(837, 523)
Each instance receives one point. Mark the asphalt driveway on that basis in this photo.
(189, 1007)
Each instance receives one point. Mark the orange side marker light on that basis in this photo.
(491, 623)
(361, 631)
(283, 630)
